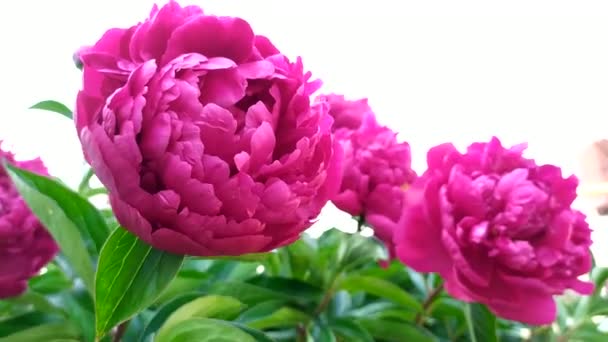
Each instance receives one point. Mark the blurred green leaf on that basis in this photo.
(395, 331)
(380, 288)
(205, 330)
(51, 281)
(221, 307)
(246, 293)
(22, 321)
(281, 318)
(258, 335)
(350, 330)
(53, 203)
(481, 323)
(36, 301)
(340, 303)
(599, 275)
(130, 276)
(588, 332)
(46, 332)
(260, 310)
(164, 312)
(53, 106)
(321, 332)
(80, 308)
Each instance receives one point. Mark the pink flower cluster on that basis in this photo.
(25, 246)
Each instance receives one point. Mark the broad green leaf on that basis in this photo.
(380, 288)
(394, 331)
(205, 330)
(82, 214)
(164, 312)
(205, 307)
(281, 318)
(481, 323)
(45, 332)
(53, 106)
(41, 195)
(260, 310)
(37, 301)
(130, 276)
(350, 330)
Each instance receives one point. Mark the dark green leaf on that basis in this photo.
(130, 276)
(301, 253)
(395, 331)
(380, 288)
(10, 325)
(246, 293)
(221, 307)
(351, 331)
(53, 106)
(46, 332)
(481, 323)
(322, 333)
(36, 301)
(293, 288)
(80, 308)
(205, 330)
(164, 312)
(47, 199)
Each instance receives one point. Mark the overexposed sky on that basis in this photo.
(435, 71)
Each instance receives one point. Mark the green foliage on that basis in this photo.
(108, 286)
(53, 106)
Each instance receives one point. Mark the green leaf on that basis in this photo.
(164, 312)
(351, 331)
(37, 301)
(53, 106)
(246, 293)
(130, 276)
(599, 276)
(46, 332)
(394, 331)
(281, 318)
(82, 214)
(252, 257)
(41, 195)
(205, 307)
(258, 335)
(15, 323)
(481, 323)
(52, 281)
(380, 288)
(260, 310)
(297, 290)
(205, 330)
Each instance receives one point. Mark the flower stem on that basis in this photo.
(84, 183)
(430, 299)
(120, 331)
(360, 223)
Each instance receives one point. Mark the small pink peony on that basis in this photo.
(376, 167)
(204, 134)
(498, 228)
(25, 246)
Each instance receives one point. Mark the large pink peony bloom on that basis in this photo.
(25, 246)
(376, 167)
(204, 134)
(498, 228)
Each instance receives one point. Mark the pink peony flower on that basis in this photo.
(346, 113)
(25, 246)
(204, 134)
(498, 228)
(376, 167)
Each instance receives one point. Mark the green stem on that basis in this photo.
(470, 325)
(84, 183)
(93, 192)
(430, 299)
(360, 223)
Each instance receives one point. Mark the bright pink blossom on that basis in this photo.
(498, 228)
(25, 246)
(204, 134)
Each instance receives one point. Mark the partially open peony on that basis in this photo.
(498, 228)
(25, 245)
(204, 134)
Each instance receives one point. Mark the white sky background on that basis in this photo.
(435, 71)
